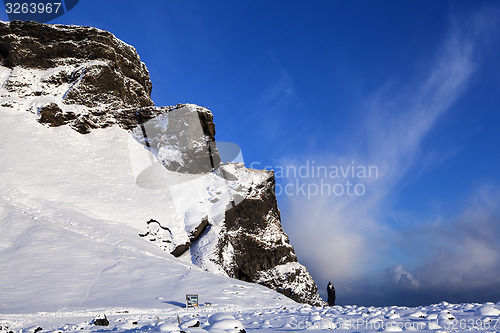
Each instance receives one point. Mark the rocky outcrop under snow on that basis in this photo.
(106, 71)
(226, 217)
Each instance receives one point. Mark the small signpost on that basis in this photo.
(192, 301)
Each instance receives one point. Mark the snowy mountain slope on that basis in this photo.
(104, 153)
(60, 263)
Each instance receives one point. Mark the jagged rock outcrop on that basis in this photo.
(225, 220)
(101, 69)
(101, 320)
(259, 249)
(181, 138)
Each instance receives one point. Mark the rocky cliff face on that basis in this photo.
(259, 248)
(225, 219)
(110, 71)
(77, 74)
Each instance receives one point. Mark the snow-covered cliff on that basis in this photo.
(100, 148)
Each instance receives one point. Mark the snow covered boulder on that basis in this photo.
(218, 317)
(265, 324)
(432, 325)
(446, 323)
(127, 325)
(196, 330)
(101, 320)
(391, 327)
(228, 324)
(416, 315)
(487, 310)
(190, 323)
(323, 324)
(445, 314)
(169, 327)
(314, 317)
(393, 316)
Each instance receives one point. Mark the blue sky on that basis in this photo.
(412, 87)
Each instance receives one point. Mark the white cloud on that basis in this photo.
(397, 277)
(345, 239)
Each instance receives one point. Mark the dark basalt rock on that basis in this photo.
(117, 77)
(199, 230)
(128, 119)
(247, 225)
(162, 236)
(195, 234)
(180, 249)
(101, 320)
(52, 113)
(253, 256)
(109, 78)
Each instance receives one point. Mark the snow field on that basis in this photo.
(438, 318)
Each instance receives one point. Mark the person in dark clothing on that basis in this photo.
(330, 289)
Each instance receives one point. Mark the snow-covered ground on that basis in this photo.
(70, 219)
(262, 317)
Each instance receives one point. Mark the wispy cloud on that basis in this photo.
(346, 238)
